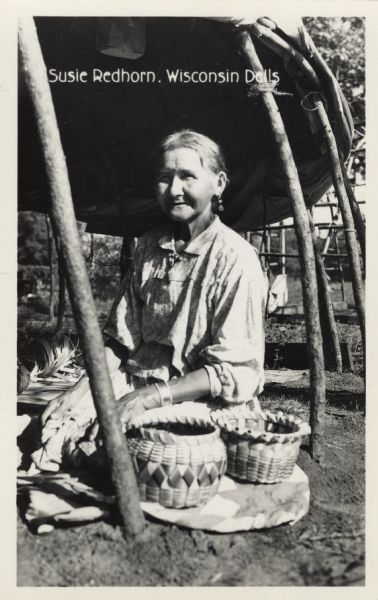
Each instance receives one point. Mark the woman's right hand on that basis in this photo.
(74, 403)
(65, 419)
(77, 401)
(58, 407)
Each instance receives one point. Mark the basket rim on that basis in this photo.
(220, 416)
(145, 426)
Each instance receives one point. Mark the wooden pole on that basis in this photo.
(283, 248)
(62, 285)
(62, 295)
(83, 306)
(339, 265)
(349, 230)
(286, 51)
(309, 285)
(267, 252)
(336, 255)
(332, 233)
(90, 258)
(357, 216)
(284, 227)
(330, 336)
(126, 255)
(345, 127)
(50, 249)
(335, 204)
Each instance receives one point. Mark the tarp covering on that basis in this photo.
(109, 129)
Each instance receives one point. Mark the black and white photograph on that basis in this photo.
(191, 258)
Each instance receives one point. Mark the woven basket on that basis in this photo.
(261, 447)
(178, 460)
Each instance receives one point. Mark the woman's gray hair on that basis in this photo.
(209, 152)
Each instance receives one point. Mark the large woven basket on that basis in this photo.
(178, 460)
(261, 447)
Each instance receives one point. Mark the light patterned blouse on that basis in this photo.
(202, 308)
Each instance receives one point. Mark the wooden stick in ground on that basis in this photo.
(62, 285)
(357, 216)
(306, 251)
(90, 258)
(62, 295)
(350, 232)
(126, 255)
(77, 279)
(330, 335)
(50, 250)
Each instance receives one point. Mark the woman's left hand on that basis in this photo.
(130, 406)
(136, 403)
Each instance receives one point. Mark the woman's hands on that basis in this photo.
(136, 403)
(76, 407)
(76, 401)
(130, 406)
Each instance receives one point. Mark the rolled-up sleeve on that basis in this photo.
(236, 354)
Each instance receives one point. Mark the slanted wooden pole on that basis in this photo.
(90, 258)
(286, 51)
(50, 249)
(306, 251)
(62, 213)
(126, 255)
(283, 248)
(62, 284)
(344, 126)
(62, 295)
(330, 335)
(349, 229)
(357, 216)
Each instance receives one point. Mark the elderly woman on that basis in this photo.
(188, 320)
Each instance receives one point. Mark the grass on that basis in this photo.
(282, 333)
(292, 405)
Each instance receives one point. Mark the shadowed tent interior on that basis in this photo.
(109, 130)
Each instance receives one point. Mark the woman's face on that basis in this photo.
(185, 187)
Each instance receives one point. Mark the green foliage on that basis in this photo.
(32, 239)
(102, 256)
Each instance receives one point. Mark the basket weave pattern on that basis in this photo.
(261, 447)
(176, 470)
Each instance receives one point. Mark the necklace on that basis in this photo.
(173, 258)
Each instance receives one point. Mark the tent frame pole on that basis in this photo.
(63, 216)
(348, 221)
(126, 255)
(62, 283)
(306, 252)
(331, 342)
(50, 250)
(356, 212)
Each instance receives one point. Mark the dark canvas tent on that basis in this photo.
(109, 130)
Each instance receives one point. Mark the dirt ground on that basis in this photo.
(325, 548)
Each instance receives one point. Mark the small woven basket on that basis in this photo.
(178, 460)
(262, 447)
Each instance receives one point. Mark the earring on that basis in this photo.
(219, 204)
